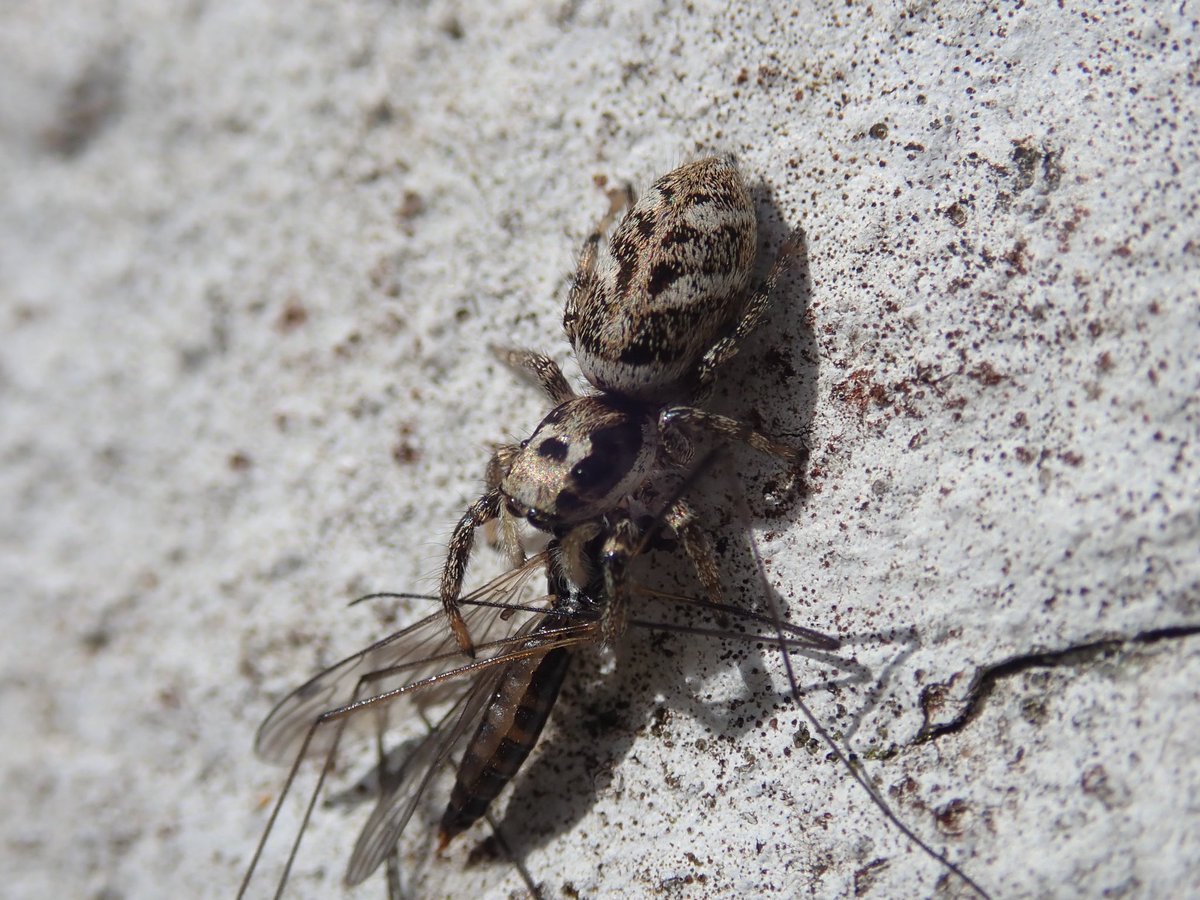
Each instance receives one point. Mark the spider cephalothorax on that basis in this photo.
(584, 457)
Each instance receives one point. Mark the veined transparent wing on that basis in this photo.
(410, 655)
(402, 791)
(417, 662)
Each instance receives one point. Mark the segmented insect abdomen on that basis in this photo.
(509, 729)
(670, 283)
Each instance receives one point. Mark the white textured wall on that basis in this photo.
(250, 255)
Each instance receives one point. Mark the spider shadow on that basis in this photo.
(603, 717)
(771, 384)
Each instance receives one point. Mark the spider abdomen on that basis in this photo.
(672, 280)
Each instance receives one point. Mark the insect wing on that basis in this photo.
(403, 789)
(410, 655)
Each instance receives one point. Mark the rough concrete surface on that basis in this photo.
(251, 255)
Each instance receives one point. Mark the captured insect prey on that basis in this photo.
(491, 710)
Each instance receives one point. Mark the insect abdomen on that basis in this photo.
(509, 729)
(672, 280)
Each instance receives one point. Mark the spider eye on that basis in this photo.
(537, 520)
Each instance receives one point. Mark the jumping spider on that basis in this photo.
(651, 316)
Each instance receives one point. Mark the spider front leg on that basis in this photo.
(487, 508)
(458, 554)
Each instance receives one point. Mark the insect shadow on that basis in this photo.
(421, 662)
(603, 717)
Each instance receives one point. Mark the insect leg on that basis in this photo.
(534, 889)
(387, 782)
(458, 555)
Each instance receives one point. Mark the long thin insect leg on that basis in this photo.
(326, 768)
(535, 892)
(815, 638)
(855, 771)
(395, 890)
(287, 786)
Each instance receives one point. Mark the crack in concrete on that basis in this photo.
(988, 678)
